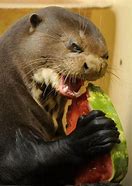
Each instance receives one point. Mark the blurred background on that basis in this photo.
(114, 19)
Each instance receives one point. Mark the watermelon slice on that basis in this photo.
(108, 167)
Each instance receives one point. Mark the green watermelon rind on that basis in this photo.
(99, 100)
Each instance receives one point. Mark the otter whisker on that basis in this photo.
(62, 72)
(28, 73)
(47, 97)
(45, 90)
(32, 63)
(33, 69)
(58, 68)
(68, 74)
(109, 72)
(37, 59)
(39, 62)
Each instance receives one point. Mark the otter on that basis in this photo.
(44, 59)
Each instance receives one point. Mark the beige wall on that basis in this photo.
(121, 90)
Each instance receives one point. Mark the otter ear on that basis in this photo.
(35, 20)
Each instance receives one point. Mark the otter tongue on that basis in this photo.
(68, 87)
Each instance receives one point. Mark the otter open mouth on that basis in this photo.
(70, 87)
(48, 80)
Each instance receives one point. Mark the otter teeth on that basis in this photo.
(65, 88)
(82, 90)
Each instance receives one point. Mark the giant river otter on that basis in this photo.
(44, 59)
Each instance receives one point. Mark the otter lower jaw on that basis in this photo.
(66, 86)
(70, 88)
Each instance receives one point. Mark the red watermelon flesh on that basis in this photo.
(99, 169)
(78, 108)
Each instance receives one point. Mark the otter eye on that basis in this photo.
(75, 48)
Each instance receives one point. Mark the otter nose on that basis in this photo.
(85, 67)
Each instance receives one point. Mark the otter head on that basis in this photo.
(63, 49)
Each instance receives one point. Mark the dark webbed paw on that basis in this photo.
(95, 133)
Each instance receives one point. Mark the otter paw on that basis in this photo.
(95, 133)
